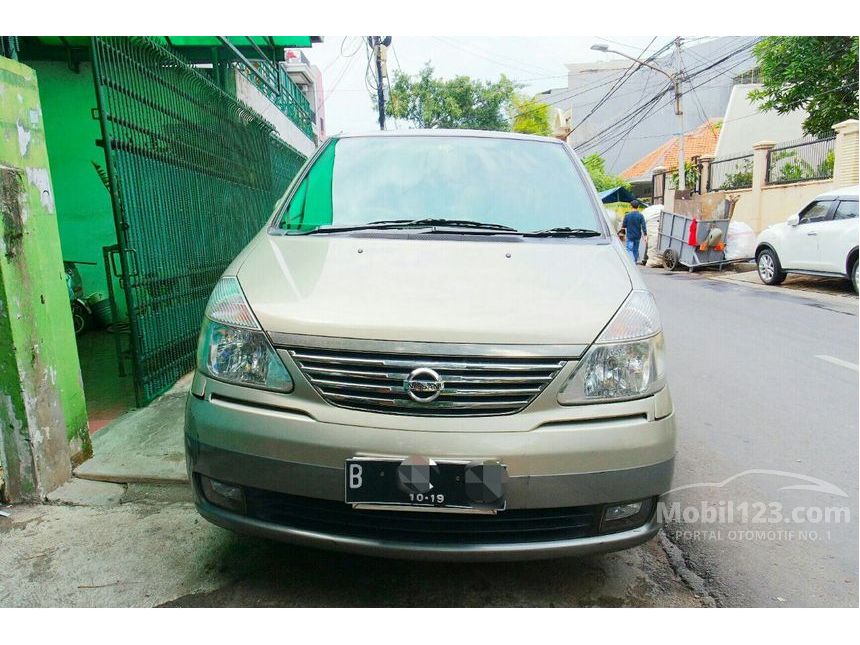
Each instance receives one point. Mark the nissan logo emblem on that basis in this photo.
(423, 385)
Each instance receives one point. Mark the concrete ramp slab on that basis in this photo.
(86, 492)
(143, 446)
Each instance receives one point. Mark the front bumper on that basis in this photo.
(568, 462)
(427, 549)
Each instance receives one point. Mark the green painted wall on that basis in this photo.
(83, 203)
(43, 419)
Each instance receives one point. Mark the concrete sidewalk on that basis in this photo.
(828, 292)
(809, 285)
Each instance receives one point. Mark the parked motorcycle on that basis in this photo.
(82, 315)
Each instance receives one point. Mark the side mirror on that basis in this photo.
(794, 220)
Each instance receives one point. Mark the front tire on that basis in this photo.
(769, 269)
(81, 318)
(854, 275)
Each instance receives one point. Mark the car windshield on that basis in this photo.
(519, 184)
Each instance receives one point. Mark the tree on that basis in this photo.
(460, 102)
(814, 73)
(529, 116)
(596, 168)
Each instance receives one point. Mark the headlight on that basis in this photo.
(233, 347)
(626, 361)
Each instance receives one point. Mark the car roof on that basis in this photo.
(846, 191)
(418, 132)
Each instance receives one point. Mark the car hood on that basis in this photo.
(435, 290)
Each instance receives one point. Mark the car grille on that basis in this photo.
(472, 385)
(337, 518)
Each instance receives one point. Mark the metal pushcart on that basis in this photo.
(675, 247)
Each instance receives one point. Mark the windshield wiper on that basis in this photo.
(441, 221)
(563, 231)
(438, 222)
(342, 229)
(429, 222)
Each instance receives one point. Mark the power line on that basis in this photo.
(604, 136)
(596, 140)
(399, 70)
(645, 110)
(331, 91)
(621, 147)
(628, 74)
(665, 135)
(340, 55)
(354, 51)
(626, 117)
(586, 89)
(531, 69)
(396, 59)
(617, 138)
(625, 45)
(699, 107)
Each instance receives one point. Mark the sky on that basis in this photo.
(537, 62)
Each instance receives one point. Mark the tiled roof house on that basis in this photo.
(701, 141)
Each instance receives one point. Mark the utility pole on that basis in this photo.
(379, 45)
(676, 78)
(679, 111)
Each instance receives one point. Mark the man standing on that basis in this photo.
(634, 228)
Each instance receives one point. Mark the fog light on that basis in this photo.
(621, 511)
(618, 517)
(221, 494)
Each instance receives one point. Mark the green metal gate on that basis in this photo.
(194, 174)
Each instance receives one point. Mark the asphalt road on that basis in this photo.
(764, 379)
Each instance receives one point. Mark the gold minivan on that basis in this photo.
(434, 349)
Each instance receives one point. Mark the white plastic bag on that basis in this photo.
(740, 242)
(652, 232)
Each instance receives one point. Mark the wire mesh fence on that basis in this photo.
(802, 160)
(193, 174)
(730, 173)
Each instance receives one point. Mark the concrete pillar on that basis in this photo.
(845, 161)
(759, 180)
(43, 421)
(705, 172)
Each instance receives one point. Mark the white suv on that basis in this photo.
(819, 240)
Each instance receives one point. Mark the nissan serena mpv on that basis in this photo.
(434, 349)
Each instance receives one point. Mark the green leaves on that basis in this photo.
(460, 102)
(594, 164)
(815, 73)
(529, 116)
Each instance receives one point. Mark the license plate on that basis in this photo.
(419, 483)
